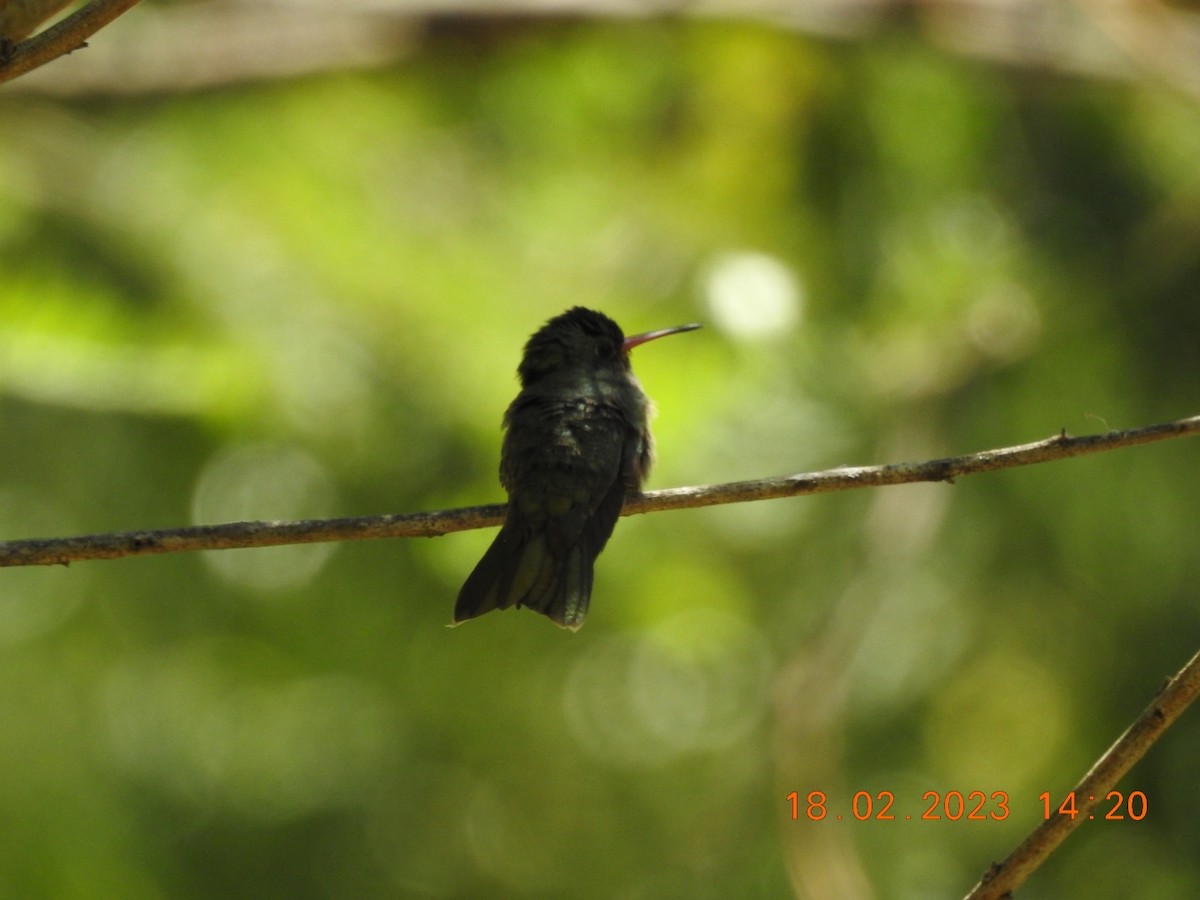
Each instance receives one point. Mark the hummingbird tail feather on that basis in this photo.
(519, 569)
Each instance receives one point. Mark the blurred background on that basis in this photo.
(278, 260)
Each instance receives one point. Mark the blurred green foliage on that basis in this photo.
(308, 299)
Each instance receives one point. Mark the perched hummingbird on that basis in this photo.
(577, 442)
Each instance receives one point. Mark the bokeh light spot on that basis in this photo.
(752, 295)
(697, 682)
(265, 482)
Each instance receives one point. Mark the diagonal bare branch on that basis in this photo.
(1176, 695)
(61, 38)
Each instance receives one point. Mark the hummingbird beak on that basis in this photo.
(635, 340)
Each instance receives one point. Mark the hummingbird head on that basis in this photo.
(582, 340)
(579, 339)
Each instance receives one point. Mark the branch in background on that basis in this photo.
(194, 46)
(183, 46)
(21, 18)
(56, 551)
(62, 38)
(1005, 877)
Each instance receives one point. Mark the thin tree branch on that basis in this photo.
(1176, 695)
(62, 38)
(61, 551)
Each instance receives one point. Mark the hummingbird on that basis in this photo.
(577, 442)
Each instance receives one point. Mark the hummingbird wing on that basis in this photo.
(567, 466)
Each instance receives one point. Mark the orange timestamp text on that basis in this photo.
(1133, 805)
(955, 806)
(974, 806)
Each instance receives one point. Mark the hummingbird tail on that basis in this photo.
(519, 569)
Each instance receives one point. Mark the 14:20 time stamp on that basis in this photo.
(954, 806)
